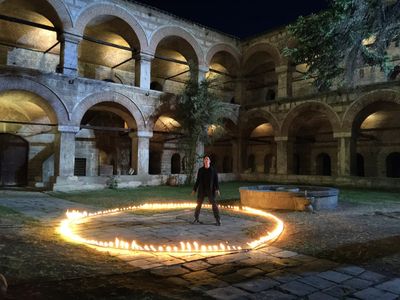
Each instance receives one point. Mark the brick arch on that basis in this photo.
(317, 106)
(262, 114)
(223, 48)
(263, 47)
(96, 98)
(53, 104)
(63, 13)
(363, 102)
(103, 8)
(168, 31)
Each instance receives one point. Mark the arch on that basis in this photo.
(175, 163)
(263, 47)
(262, 114)
(55, 105)
(393, 165)
(222, 47)
(96, 98)
(98, 9)
(62, 13)
(167, 31)
(361, 103)
(321, 107)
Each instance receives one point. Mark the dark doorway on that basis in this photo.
(13, 160)
(296, 164)
(251, 163)
(154, 162)
(393, 165)
(175, 164)
(360, 165)
(267, 163)
(323, 164)
(227, 164)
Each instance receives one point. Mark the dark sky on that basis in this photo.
(240, 18)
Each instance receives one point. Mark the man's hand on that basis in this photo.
(218, 193)
(193, 192)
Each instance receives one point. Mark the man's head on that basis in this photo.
(206, 162)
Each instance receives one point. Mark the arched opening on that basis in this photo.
(104, 142)
(227, 164)
(154, 162)
(393, 165)
(166, 142)
(296, 164)
(222, 74)
(261, 80)
(376, 129)
(108, 49)
(13, 160)
(171, 66)
(310, 132)
(29, 45)
(251, 163)
(156, 86)
(175, 163)
(27, 122)
(323, 165)
(360, 171)
(269, 164)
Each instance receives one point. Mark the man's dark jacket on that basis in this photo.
(206, 189)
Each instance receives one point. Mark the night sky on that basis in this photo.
(239, 17)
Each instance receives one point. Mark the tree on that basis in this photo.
(350, 34)
(197, 108)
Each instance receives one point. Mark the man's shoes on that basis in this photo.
(218, 223)
(196, 221)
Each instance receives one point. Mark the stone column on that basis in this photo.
(143, 70)
(140, 151)
(284, 81)
(69, 53)
(239, 91)
(284, 155)
(199, 155)
(235, 156)
(203, 70)
(65, 161)
(345, 152)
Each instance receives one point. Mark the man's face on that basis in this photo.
(206, 162)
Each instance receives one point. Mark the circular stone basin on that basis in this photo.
(289, 197)
(166, 228)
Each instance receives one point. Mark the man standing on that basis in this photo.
(206, 185)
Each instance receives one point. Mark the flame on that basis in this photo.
(75, 217)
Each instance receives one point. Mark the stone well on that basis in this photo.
(289, 197)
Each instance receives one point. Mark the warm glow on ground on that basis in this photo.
(66, 229)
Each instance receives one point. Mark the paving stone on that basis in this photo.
(334, 276)
(392, 286)
(252, 261)
(269, 267)
(317, 282)
(227, 258)
(339, 291)
(271, 295)
(197, 265)
(372, 276)
(228, 293)
(283, 276)
(223, 269)
(209, 284)
(170, 271)
(257, 285)
(320, 296)
(288, 262)
(351, 270)
(172, 262)
(233, 278)
(297, 288)
(198, 275)
(284, 254)
(357, 283)
(373, 294)
(270, 249)
(318, 266)
(249, 272)
(177, 281)
(304, 258)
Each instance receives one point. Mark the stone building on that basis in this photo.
(82, 85)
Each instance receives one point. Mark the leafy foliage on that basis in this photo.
(351, 33)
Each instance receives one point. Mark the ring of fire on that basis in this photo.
(73, 217)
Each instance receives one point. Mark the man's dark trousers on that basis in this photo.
(212, 201)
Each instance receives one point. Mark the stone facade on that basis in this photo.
(84, 87)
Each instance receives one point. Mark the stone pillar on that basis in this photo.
(143, 70)
(140, 151)
(203, 70)
(345, 152)
(284, 155)
(199, 155)
(235, 156)
(69, 53)
(239, 91)
(65, 161)
(284, 81)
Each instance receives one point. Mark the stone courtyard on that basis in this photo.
(267, 273)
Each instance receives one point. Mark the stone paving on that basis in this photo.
(267, 273)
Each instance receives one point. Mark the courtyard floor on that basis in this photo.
(352, 252)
